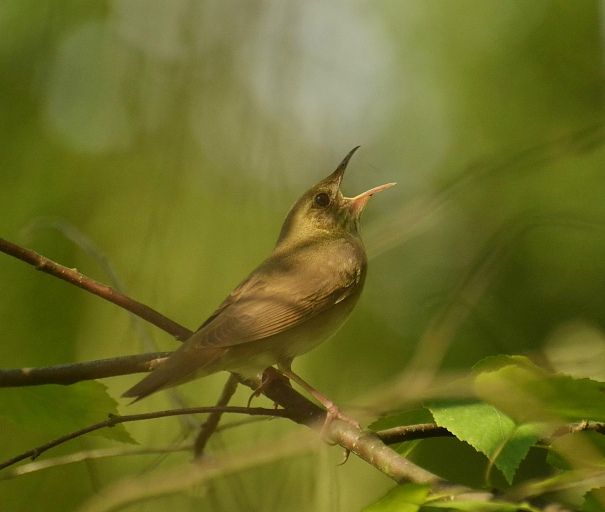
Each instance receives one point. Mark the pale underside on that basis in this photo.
(284, 308)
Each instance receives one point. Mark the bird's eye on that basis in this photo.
(322, 200)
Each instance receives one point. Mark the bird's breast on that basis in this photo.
(250, 359)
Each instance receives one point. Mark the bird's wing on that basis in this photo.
(275, 297)
(263, 306)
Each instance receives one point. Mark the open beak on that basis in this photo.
(358, 203)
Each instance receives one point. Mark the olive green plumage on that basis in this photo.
(293, 301)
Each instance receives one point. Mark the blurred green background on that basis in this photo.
(176, 135)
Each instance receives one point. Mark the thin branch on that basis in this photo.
(72, 276)
(412, 432)
(118, 495)
(428, 430)
(87, 246)
(114, 420)
(106, 453)
(85, 455)
(211, 424)
(574, 428)
(578, 479)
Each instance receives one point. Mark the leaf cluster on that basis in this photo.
(504, 409)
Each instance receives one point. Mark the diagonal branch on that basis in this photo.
(71, 373)
(211, 424)
(363, 443)
(114, 420)
(72, 276)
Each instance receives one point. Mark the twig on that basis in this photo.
(427, 430)
(120, 494)
(114, 420)
(71, 275)
(574, 428)
(86, 245)
(86, 455)
(412, 432)
(211, 424)
(105, 453)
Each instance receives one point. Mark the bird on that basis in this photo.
(296, 299)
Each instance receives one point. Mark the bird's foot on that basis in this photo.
(334, 413)
(345, 457)
(269, 375)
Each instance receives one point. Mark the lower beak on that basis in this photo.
(358, 203)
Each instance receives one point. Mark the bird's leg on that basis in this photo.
(333, 412)
(269, 375)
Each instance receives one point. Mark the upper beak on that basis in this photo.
(340, 170)
(357, 203)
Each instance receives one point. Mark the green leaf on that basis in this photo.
(488, 430)
(517, 403)
(494, 363)
(403, 498)
(530, 394)
(575, 484)
(481, 506)
(580, 450)
(593, 501)
(58, 410)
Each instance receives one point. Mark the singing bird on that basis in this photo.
(293, 301)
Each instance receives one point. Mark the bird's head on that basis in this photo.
(324, 210)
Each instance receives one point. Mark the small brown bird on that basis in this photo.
(293, 301)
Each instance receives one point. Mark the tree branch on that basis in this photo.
(114, 420)
(71, 373)
(211, 424)
(363, 443)
(72, 276)
(412, 432)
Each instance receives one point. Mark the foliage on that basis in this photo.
(176, 135)
(515, 404)
(56, 410)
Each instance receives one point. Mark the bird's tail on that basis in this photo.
(180, 367)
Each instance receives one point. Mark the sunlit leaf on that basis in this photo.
(582, 449)
(481, 506)
(488, 430)
(58, 410)
(403, 498)
(530, 394)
